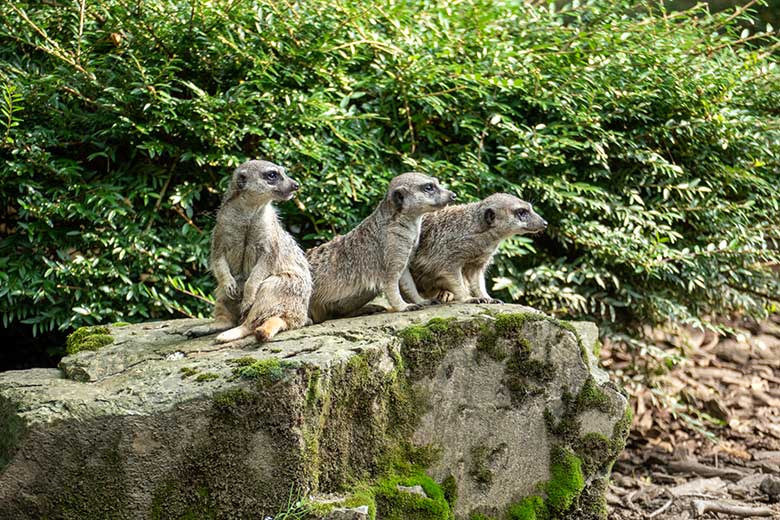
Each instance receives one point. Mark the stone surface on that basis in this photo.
(352, 513)
(156, 425)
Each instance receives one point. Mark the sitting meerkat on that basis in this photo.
(351, 270)
(263, 279)
(457, 245)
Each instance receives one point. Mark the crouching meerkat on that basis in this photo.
(457, 245)
(351, 270)
(263, 279)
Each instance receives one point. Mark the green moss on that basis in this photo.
(424, 346)
(512, 324)
(597, 345)
(206, 376)
(313, 387)
(530, 508)
(242, 361)
(479, 470)
(88, 338)
(591, 396)
(263, 371)
(594, 449)
(392, 504)
(187, 372)
(120, 324)
(523, 376)
(559, 494)
(449, 486)
(230, 401)
(567, 480)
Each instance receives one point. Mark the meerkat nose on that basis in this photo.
(544, 223)
(295, 186)
(453, 196)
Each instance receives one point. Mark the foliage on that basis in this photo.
(649, 139)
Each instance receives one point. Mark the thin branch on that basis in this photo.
(82, 8)
(161, 196)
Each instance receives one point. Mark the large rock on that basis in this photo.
(480, 410)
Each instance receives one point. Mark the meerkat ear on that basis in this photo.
(397, 196)
(490, 216)
(241, 181)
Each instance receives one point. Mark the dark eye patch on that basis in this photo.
(521, 213)
(271, 175)
(429, 188)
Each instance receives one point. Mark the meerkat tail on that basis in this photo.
(233, 334)
(208, 329)
(270, 328)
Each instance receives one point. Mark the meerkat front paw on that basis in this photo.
(412, 307)
(231, 288)
(433, 301)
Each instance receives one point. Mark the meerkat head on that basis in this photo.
(507, 215)
(263, 181)
(415, 193)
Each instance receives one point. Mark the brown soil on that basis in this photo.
(706, 432)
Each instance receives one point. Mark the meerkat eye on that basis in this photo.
(430, 188)
(521, 213)
(272, 175)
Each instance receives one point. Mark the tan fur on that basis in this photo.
(350, 270)
(262, 274)
(457, 245)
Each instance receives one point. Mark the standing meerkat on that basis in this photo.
(351, 270)
(457, 245)
(263, 279)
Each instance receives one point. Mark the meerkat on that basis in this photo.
(263, 279)
(351, 270)
(457, 245)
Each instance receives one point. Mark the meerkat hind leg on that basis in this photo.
(233, 334)
(270, 328)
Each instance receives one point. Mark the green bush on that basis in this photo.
(650, 141)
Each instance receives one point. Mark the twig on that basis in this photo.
(684, 466)
(701, 507)
(190, 293)
(409, 122)
(82, 8)
(189, 221)
(663, 507)
(160, 196)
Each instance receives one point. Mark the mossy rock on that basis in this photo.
(449, 398)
